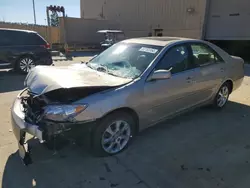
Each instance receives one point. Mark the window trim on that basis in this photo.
(221, 60)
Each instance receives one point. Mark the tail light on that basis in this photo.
(47, 46)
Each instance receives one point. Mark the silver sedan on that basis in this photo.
(130, 86)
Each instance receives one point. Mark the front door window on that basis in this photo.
(176, 60)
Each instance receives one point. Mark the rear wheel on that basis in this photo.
(25, 64)
(222, 96)
(113, 134)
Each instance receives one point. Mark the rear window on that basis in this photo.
(35, 39)
(8, 38)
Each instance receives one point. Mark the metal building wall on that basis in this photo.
(139, 17)
(83, 31)
(228, 20)
(91, 9)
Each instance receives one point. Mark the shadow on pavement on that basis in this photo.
(203, 148)
(11, 81)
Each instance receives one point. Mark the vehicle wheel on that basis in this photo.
(221, 98)
(113, 134)
(25, 64)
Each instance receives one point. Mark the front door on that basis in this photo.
(163, 98)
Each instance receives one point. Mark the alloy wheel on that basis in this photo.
(26, 64)
(116, 137)
(222, 96)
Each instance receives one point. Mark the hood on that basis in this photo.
(43, 79)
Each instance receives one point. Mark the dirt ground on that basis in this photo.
(202, 149)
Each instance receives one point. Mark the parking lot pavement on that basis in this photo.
(204, 149)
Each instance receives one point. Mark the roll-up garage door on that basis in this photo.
(228, 20)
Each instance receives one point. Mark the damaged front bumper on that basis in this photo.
(21, 127)
(43, 132)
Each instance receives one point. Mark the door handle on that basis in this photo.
(222, 69)
(190, 79)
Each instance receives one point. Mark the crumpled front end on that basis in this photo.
(20, 127)
(48, 108)
(27, 116)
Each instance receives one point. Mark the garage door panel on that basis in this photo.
(228, 20)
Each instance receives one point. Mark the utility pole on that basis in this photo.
(34, 11)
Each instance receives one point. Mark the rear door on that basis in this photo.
(212, 69)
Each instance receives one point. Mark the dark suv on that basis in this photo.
(22, 50)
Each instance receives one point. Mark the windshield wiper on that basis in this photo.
(110, 73)
(85, 62)
(88, 65)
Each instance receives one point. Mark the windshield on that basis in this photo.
(126, 60)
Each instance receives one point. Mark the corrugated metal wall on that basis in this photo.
(139, 17)
(91, 9)
(228, 20)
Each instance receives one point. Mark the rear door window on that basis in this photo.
(35, 39)
(204, 55)
(18, 38)
(26, 38)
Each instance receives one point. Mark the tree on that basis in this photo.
(54, 20)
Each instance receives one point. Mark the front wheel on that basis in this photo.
(222, 96)
(113, 134)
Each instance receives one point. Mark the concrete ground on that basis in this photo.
(202, 149)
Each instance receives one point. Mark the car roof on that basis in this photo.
(19, 30)
(158, 41)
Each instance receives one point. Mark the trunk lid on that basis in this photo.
(43, 79)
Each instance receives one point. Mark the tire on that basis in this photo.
(221, 98)
(24, 64)
(103, 143)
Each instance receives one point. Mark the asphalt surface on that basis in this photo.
(202, 149)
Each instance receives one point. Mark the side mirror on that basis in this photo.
(161, 75)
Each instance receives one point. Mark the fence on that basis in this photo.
(51, 34)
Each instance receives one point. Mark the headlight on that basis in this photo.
(63, 112)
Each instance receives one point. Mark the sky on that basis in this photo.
(22, 10)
